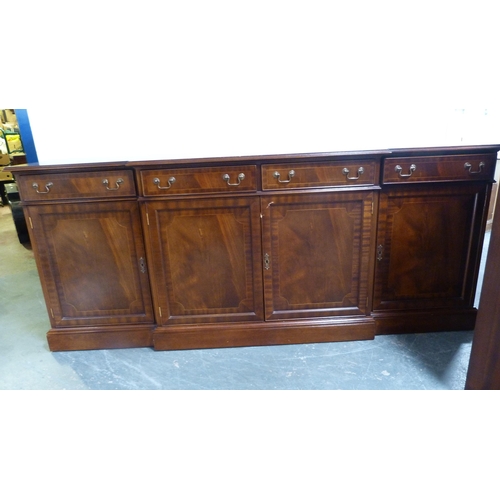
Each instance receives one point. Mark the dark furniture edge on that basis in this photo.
(277, 158)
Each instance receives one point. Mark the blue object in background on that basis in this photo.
(26, 135)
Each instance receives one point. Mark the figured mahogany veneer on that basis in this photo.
(439, 168)
(90, 258)
(77, 185)
(428, 247)
(319, 254)
(260, 250)
(174, 181)
(317, 175)
(207, 260)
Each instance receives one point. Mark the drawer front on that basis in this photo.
(439, 168)
(59, 186)
(318, 175)
(184, 181)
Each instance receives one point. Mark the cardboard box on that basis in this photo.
(4, 159)
(10, 116)
(5, 176)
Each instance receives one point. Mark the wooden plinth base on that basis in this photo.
(73, 339)
(394, 322)
(257, 334)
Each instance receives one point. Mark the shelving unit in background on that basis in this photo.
(11, 134)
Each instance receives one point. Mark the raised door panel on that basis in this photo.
(316, 254)
(428, 247)
(207, 257)
(92, 263)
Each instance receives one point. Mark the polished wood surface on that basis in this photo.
(484, 364)
(428, 246)
(320, 174)
(207, 254)
(171, 182)
(439, 168)
(89, 258)
(264, 333)
(317, 247)
(77, 185)
(100, 337)
(318, 251)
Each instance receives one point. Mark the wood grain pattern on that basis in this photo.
(430, 239)
(89, 255)
(319, 174)
(198, 180)
(210, 257)
(439, 168)
(77, 185)
(205, 263)
(319, 254)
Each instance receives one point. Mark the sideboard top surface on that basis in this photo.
(275, 158)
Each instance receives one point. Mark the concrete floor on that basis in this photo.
(436, 361)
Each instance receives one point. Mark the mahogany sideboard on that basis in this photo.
(484, 363)
(258, 250)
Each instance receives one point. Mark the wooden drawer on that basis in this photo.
(318, 175)
(439, 168)
(58, 186)
(171, 182)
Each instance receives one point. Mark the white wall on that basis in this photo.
(154, 79)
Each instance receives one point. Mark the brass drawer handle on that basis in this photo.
(117, 184)
(399, 169)
(469, 167)
(157, 181)
(47, 187)
(361, 171)
(277, 175)
(227, 178)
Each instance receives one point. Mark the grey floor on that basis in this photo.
(436, 361)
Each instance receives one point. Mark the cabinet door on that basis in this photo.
(92, 263)
(207, 259)
(317, 254)
(428, 246)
